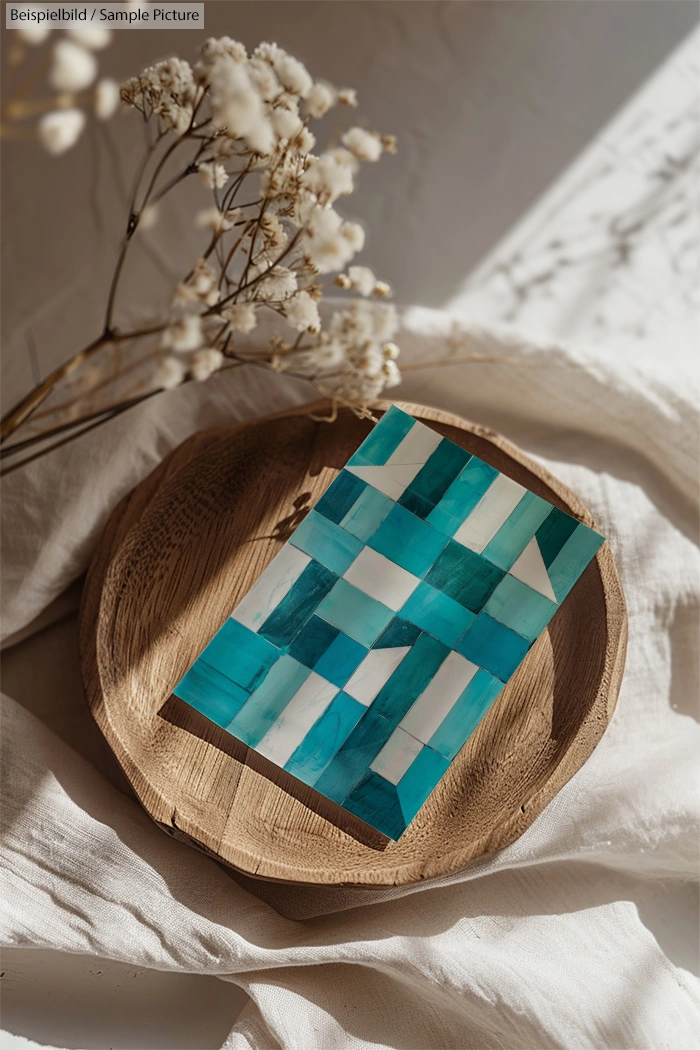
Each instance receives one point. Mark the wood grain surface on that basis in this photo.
(177, 555)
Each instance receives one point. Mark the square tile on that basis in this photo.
(370, 649)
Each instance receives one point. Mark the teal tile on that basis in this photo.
(337, 500)
(519, 607)
(341, 659)
(462, 496)
(367, 513)
(464, 576)
(268, 701)
(312, 641)
(211, 693)
(491, 645)
(437, 613)
(354, 613)
(514, 535)
(326, 542)
(409, 680)
(419, 781)
(408, 541)
(466, 714)
(299, 603)
(572, 559)
(376, 801)
(398, 634)
(325, 738)
(383, 439)
(553, 533)
(433, 480)
(354, 756)
(240, 654)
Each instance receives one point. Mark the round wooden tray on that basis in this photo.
(181, 550)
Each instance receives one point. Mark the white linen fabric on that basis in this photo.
(574, 936)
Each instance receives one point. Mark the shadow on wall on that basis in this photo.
(490, 102)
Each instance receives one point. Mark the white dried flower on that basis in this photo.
(61, 129)
(292, 74)
(273, 231)
(168, 89)
(390, 352)
(302, 312)
(214, 49)
(363, 144)
(345, 158)
(73, 69)
(286, 124)
(327, 179)
(264, 79)
(382, 290)
(218, 221)
(237, 106)
(106, 98)
(354, 235)
(390, 371)
(305, 141)
(184, 335)
(325, 243)
(278, 284)
(169, 374)
(348, 97)
(241, 316)
(205, 362)
(149, 217)
(214, 176)
(362, 279)
(33, 33)
(320, 99)
(94, 37)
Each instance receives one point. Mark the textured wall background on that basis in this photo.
(491, 101)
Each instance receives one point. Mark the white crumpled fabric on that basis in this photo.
(574, 936)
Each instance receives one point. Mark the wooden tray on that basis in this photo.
(181, 550)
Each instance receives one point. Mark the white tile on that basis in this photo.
(392, 483)
(396, 756)
(416, 448)
(381, 578)
(530, 569)
(269, 590)
(492, 510)
(437, 700)
(303, 710)
(374, 672)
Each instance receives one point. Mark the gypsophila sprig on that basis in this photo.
(274, 236)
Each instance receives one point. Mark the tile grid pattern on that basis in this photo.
(377, 639)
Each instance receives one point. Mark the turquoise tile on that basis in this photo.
(376, 801)
(409, 680)
(299, 603)
(408, 541)
(437, 613)
(354, 756)
(240, 654)
(572, 559)
(514, 535)
(268, 701)
(341, 659)
(519, 607)
(462, 496)
(553, 533)
(354, 613)
(491, 645)
(433, 480)
(463, 718)
(419, 781)
(325, 738)
(326, 542)
(464, 576)
(211, 693)
(383, 439)
(398, 634)
(367, 513)
(312, 641)
(340, 496)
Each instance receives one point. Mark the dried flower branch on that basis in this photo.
(275, 242)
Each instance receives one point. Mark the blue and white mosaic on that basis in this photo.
(374, 643)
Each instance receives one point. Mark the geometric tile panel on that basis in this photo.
(365, 656)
